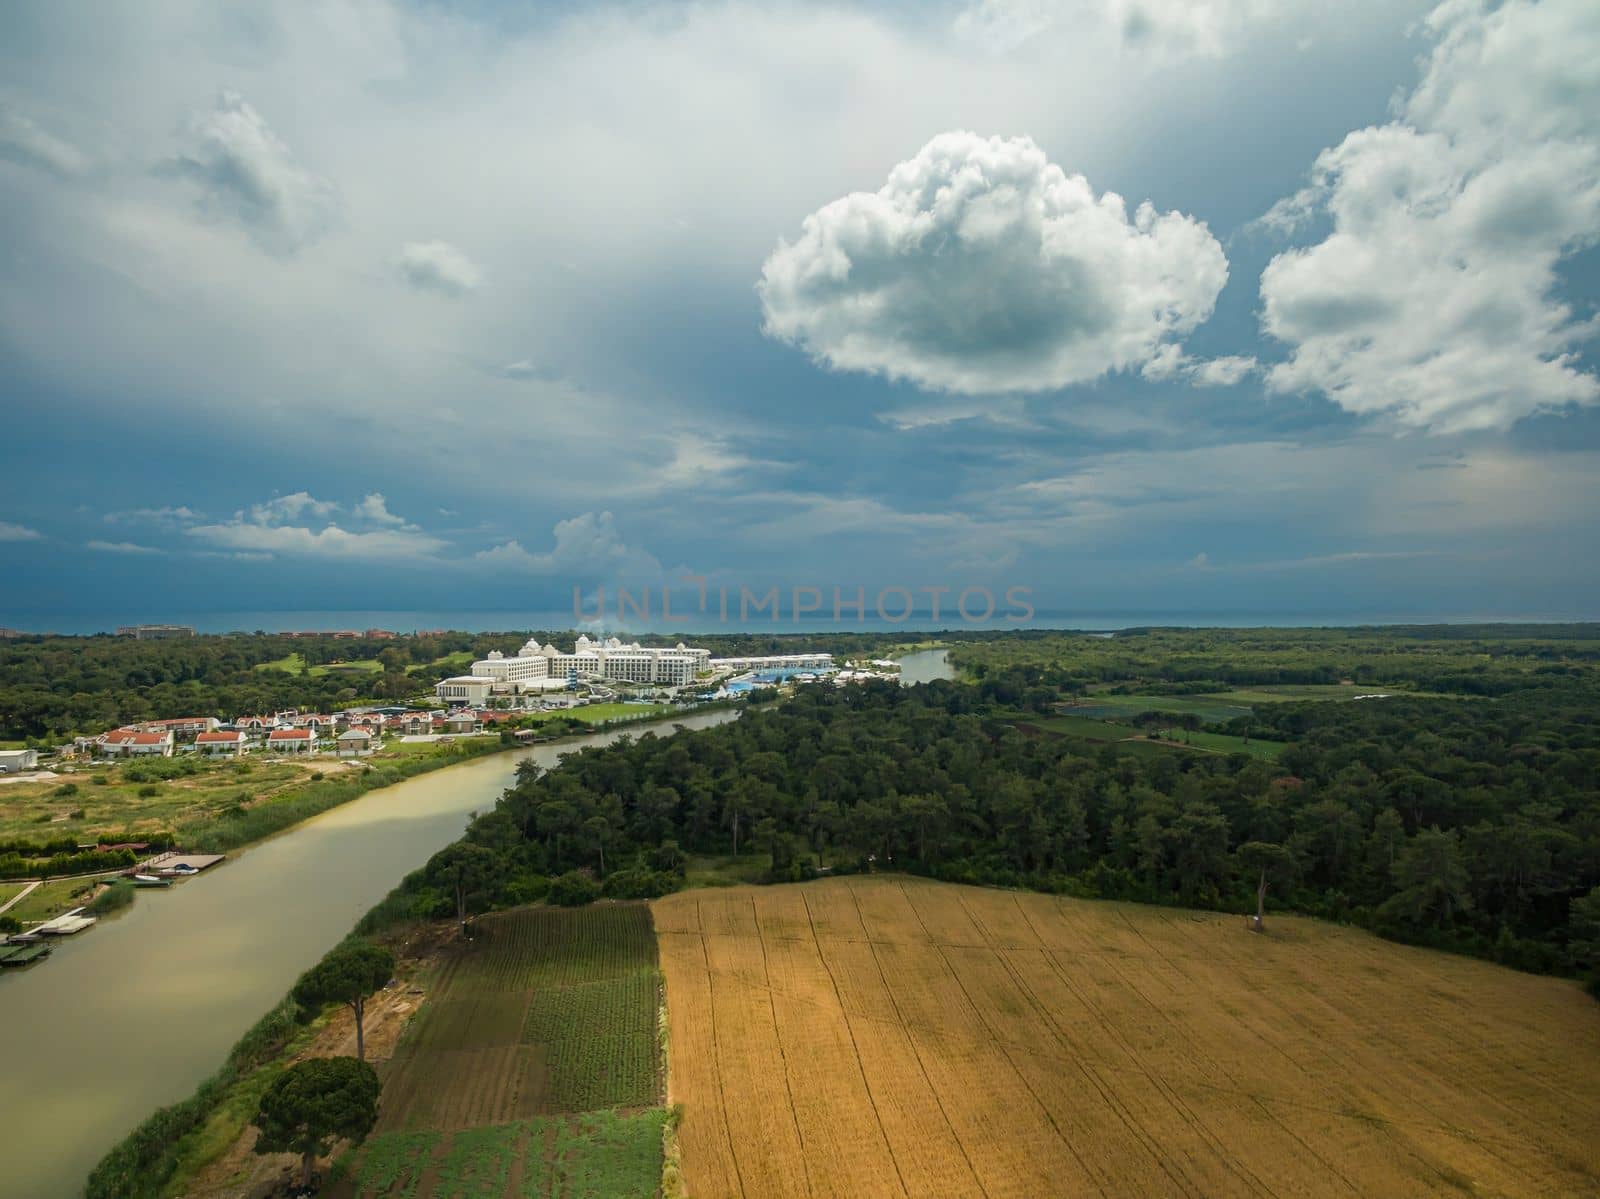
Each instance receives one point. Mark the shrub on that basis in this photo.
(113, 899)
(99, 780)
(66, 789)
(149, 791)
(573, 890)
(637, 882)
(10, 924)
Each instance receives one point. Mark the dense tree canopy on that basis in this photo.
(1468, 823)
(314, 1103)
(350, 974)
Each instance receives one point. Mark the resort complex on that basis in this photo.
(536, 668)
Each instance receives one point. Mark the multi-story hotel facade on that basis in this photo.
(538, 668)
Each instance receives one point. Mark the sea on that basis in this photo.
(553, 620)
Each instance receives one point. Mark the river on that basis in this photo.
(133, 1013)
(926, 665)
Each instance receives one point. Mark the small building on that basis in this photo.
(355, 743)
(291, 741)
(413, 724)
(461, 722)
(222, 745)
(16, 761)
(131, 743)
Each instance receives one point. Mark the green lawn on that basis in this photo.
(459, 660)
(1282, 693)
(598, 713)
(1213, 709)
(296, 665)
(52, 898)
(1079, 726)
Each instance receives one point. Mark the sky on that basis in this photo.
(1137, 305)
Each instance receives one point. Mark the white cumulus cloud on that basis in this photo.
(982, 267)
(276, 527)
(1434, 300)
(248, 174)
(13, 532)
(1170, 362)
(587, 547)
(122, 547)
(375, 508)
(439, 266)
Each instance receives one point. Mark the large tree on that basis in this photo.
(1264, 862)
(466, 871)
(314, 1103)
(349, 975)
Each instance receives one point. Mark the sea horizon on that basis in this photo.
(248, 621)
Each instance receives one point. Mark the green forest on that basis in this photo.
(53, 687)
(1466, 818)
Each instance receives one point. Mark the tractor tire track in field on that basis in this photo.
(938, 1039)
(855, 1048)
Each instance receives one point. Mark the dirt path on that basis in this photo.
(18, 898)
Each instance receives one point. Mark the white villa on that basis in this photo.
(292, 741)
(222, 745)
(537, 668)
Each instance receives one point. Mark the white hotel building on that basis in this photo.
(538, 668)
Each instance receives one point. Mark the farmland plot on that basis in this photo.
(880, 1036)
(505, 1083)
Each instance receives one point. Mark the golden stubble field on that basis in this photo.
(880, 1036)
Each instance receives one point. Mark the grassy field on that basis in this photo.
(599, 713)
(50, 899)
(296, 665)
(534, 1068)
(1212, 709)
(460, 660)
(879, 1037)
(51, 809)
(1080, 726)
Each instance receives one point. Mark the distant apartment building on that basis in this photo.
(155, 632)
(183, 728)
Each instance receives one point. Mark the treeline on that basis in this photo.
(52, 687)
(1428, 820)
(1461, 660)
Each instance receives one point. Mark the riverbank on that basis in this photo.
(192, 967)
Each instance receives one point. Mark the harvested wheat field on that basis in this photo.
(879, 1036)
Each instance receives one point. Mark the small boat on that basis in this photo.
(150, 880)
